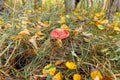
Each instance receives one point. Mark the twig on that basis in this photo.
(12, 54)
(4, 73)
(117, 75)
(5, 49)
(107, 69)
(8, 6)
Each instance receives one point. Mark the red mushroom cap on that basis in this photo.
(59, 33)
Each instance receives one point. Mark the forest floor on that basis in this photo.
(48, 44)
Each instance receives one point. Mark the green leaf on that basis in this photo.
(49, 77)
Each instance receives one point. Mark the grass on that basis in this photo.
(95, 42)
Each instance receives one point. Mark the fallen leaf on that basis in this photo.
(117, 29)
(39, 76)
(86, 39)
(65, 27)
(30, 51)
(101, 27)
(77, 77)
(49, 69)
(57, 76)
(118, 43)
(87, 34)
(24, 32)
(70, 65)
(96, 75)
(106, 78)
(58, 62)
(33, 41)
(62, 19)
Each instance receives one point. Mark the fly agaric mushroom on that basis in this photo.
(59, 34)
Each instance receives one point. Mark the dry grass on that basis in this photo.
(95, 42)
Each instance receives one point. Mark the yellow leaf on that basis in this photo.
(99, 14)
(38, 26)
(104, 50)
(76, 12)
(49, 69)
(7, 25)
(67, 16)
(116, 28)
(41, 37)
(47, 66)
(58, 62)
(33, 41)
(1, 22)
(95, 18)
(62, 19)
(76, 31)
(80, 18)
(58, 76)
(101, 27)
(17, 26)
(24, 32)
(24, 22)
(46, 23)
(70, 65)
(114, 24)
(65, 27)
(19, 2)
(39, 34)
(104, 21)
(117, 13)
(95, 23)
(86, 39)
(87, 34)
(28, 11)
(13, 37)
(96, 74)
(76, 77)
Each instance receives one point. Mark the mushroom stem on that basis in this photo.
(59, 43)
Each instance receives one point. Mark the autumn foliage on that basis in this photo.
(43, 42)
